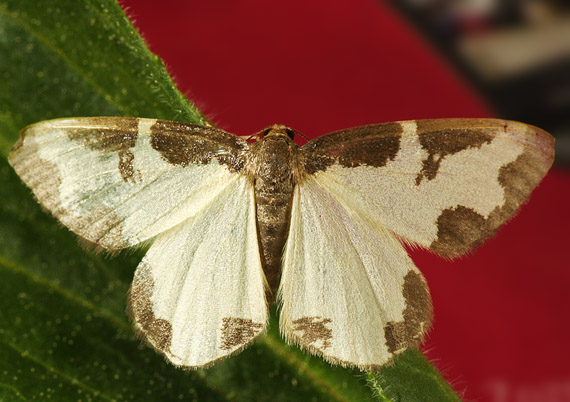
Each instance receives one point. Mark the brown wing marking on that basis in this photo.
(313, 329)
(183, 144)
(155, 331)
(238, 332)
(111, 135)
(372, 145)
(441, 138)
(417, 315)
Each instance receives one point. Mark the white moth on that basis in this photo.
(233, 220)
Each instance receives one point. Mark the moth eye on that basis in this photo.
(290, 133)
(265, 132)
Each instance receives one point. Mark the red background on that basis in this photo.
(501, 330)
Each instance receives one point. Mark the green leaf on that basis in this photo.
(64, 333)
(412, 378)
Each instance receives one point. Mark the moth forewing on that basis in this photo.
(106, 177)
(442, 184)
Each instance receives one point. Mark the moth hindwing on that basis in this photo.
(233, 223)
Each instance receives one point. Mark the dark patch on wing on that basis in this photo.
(112, 135)
(441, 138)
(184, 144)
(417, 315)
(238, 332)
(126, 165)
(314, 329)
(155, 331)
(461, 229)
(372, 145)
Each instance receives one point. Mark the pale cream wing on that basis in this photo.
(198, 295)
(446, 185)
(119, 181)
(349, 291)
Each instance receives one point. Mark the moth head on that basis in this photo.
(278, 130)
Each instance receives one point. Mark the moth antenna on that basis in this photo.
(297, 132)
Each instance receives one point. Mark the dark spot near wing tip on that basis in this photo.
(238, 331)
(417, 315)
(460, 229)
(156, 331)
(184, 144)
(372, 145)
(440, 139)
(314, 329)
(118, 137)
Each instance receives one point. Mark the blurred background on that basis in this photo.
(516, 53)
(502, 328)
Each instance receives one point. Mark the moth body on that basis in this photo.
(272, 162)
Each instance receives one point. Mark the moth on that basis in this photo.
(237, 224)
